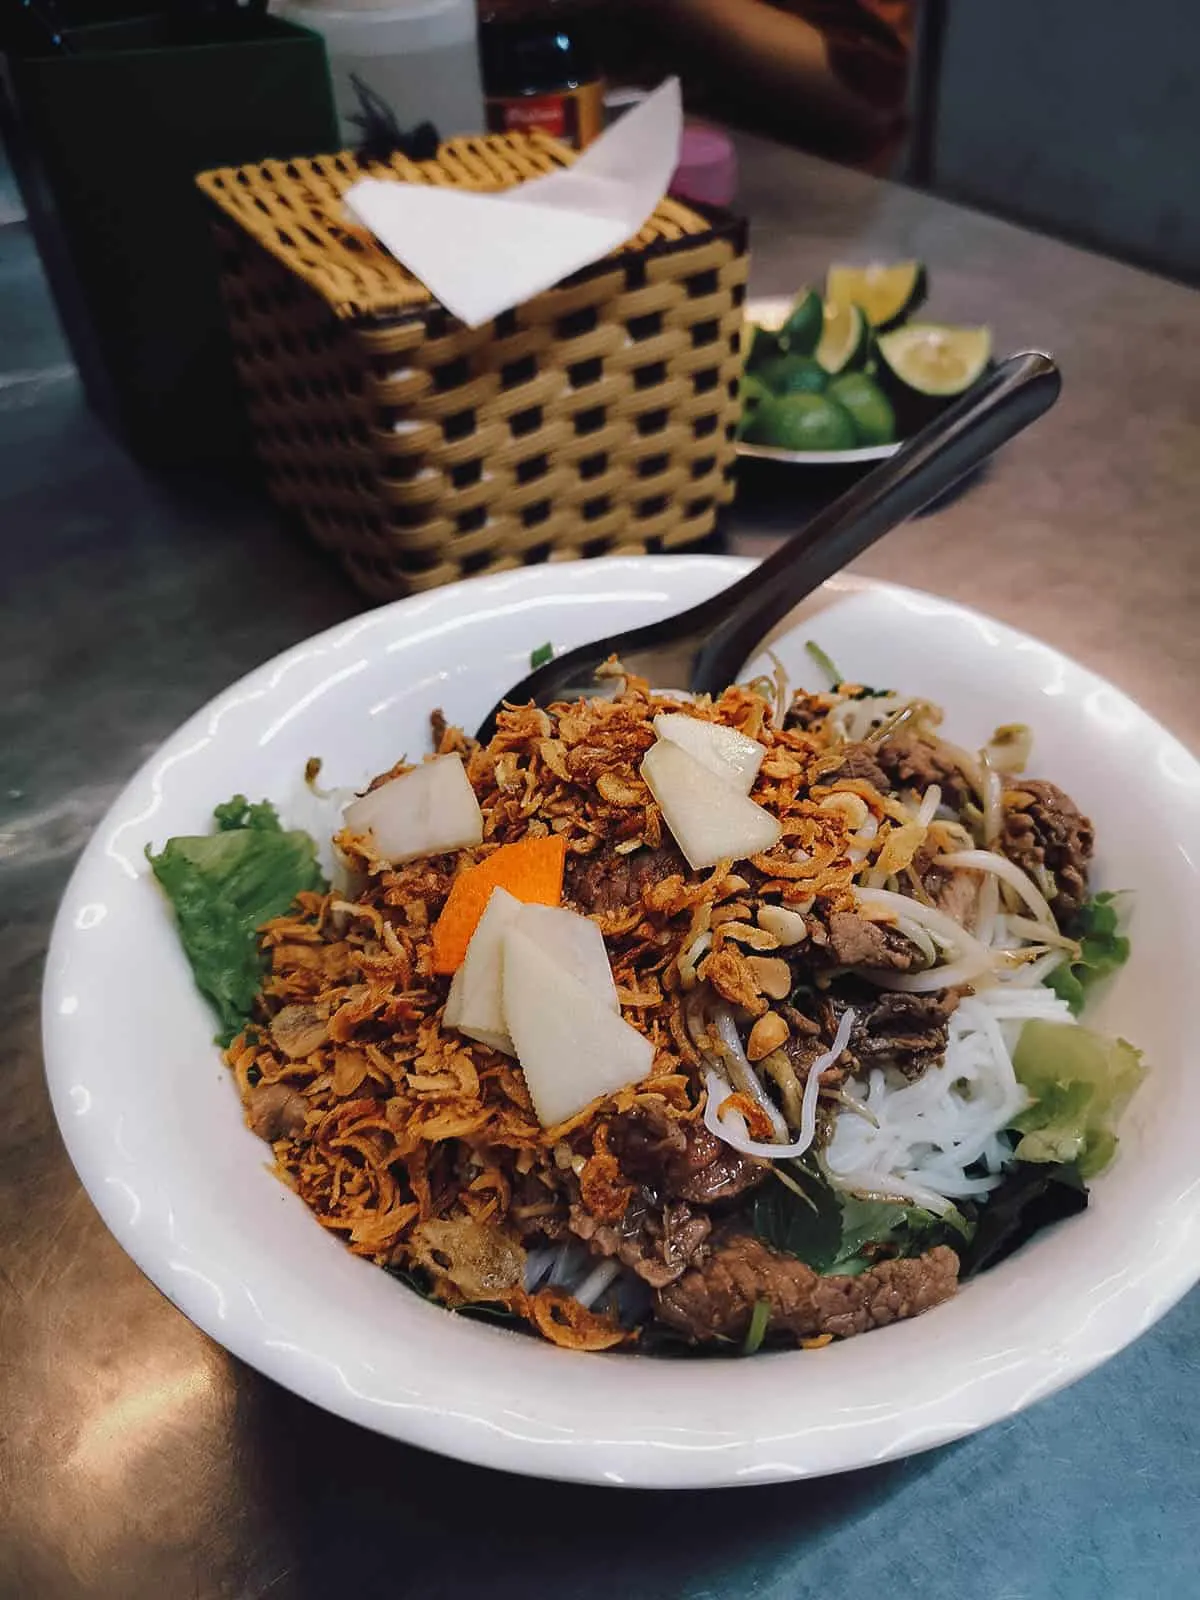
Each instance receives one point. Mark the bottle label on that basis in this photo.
(576, 116)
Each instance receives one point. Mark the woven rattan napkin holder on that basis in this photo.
(597, 418)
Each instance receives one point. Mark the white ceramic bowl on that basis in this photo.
(153, 1124)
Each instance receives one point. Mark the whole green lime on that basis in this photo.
(802, 422)
(792, 375)
(763, 345)
(752, 394)
(868, 407)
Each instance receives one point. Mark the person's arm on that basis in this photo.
(771, 52)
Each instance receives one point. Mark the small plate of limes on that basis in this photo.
(846, 375)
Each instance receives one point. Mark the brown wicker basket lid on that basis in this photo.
(294, 210)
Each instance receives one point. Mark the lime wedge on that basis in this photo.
(935, 360)
(845, 337)
(802, 422)
(802, 329)
(762, 345)
(868, 407)
(887, 294)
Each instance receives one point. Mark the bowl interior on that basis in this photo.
(153, 1124)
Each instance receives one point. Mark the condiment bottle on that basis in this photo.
(540, 69)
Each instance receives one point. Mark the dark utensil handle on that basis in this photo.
(953, 445)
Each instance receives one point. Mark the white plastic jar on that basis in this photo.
(419, 56)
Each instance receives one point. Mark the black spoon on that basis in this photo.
(702, 648)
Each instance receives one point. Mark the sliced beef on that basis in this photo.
(658, 1242)
(911, 762)
(853, 941)
(954, 892)
(715, 1171)
(807, 711)
(715, 1298)
(905, 1031)
(683, 1160)
(957, 894)
(276, 1111)
(858, 762)
(1043, 827)
(605, 881)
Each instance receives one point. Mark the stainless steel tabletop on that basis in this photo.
(137, 1459)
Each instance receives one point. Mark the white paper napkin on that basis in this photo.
(482, 254)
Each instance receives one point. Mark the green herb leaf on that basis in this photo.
(824, 662)
(809, 1229)
(755, 1333)
(239, 813)
(1080, 1082)
(869, 694)
(543, 654)
(874, 1228)
(223, 887)
(1103, 949)
(836, 680)
(839, 1233)
(1028, 1199)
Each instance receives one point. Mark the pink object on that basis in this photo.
(707, 169)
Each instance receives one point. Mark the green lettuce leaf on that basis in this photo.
(1080, 1082)
(1103, 949)
(223, 886)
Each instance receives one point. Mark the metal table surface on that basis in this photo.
(137, 1459)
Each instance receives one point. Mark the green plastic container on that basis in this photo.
(106, 128)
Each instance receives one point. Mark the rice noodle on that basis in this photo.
(731, 1127)
(808, 1106)
(538, 1265)
(596, 1282)
(929, 1132)
(1008, 872)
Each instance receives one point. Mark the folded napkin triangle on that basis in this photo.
(482, 254)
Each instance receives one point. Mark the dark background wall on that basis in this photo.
(1081, 116)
